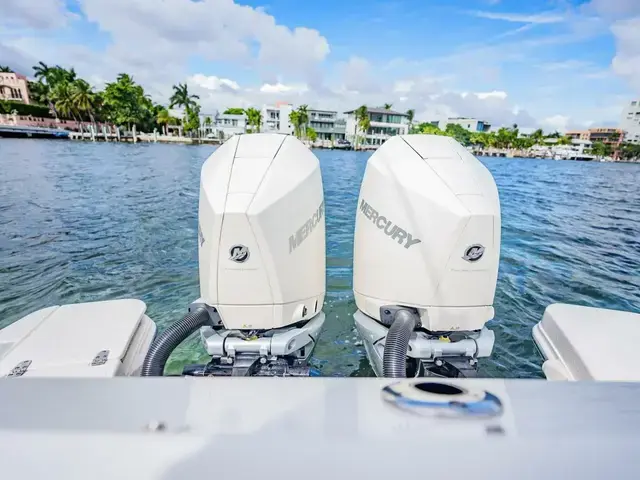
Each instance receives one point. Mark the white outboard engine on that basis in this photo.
(261, 237)
(426, 254)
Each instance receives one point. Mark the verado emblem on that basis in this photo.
(238, 253)
(473, 253)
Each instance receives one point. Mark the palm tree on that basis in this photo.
(61, 97)
(303, 118)
(538, 136)
(4, 68)
(564, 141)
(387, 106)
(42, 71)
(254, 119)
(181, 97)
(410, 115)
(83, 98)
(294, 119)
(163, 119)
(362, 122)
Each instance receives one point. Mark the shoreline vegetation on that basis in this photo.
(59, 95)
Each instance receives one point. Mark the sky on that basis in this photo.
(555, 64)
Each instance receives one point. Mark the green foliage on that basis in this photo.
(564, 141)
(537, 137)
(299, 119)
(208, 121)
(181, 97)
(503, 138)
(6, 69)
(24, 109)
(234, 111)
(459, 133)
(363, 123)
(429, 129)
(630, 151)
(387, 106)
(311, 134)
(254, 119)
(600, 149)
(192, 123)
(125, 103)
(411, 115)
(38, 93)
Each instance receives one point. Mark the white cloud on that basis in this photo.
(146, 36)
(556, 123)
(613, 8)
(626, 63)
(403, 86)
(212, 82)
(569, 64)
(494, 94)
(36, 14)
(549, 17)
(282, 88)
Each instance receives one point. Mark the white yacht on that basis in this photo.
(426, 255)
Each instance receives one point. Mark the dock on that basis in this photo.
(17, 131)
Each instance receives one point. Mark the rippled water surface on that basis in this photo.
(82, 222)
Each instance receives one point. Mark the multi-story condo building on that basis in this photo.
(606, 135)
(630, 121)
(384, 124)
(327, 124)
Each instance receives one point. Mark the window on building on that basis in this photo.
(234, 123)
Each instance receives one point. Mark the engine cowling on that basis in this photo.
(262, 232)
(427, 233)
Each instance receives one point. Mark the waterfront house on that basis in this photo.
(327, 125)
(275, 118)
(384, 124)
(14, 87)
(227, 124)
(469, 124)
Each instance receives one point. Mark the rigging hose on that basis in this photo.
(168, 340)
(394, 363)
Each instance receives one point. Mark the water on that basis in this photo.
(82, 222)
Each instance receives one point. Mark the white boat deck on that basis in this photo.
(309, 428)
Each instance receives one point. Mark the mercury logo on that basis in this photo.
(387, 226)
(473, 253)
(305, 230)
(238, 253)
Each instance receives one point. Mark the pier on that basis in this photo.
(17, 131)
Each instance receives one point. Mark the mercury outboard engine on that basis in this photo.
(426, 254)
(261, 244)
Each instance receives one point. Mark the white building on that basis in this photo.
(327, 124)
(470, 124)
(227, 124)
(207, 124)
(384, 124)
(630, 122)
(275, 118)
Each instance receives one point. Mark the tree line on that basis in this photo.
(509, 138)
(122, 102)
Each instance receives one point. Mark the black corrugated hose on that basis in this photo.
(173, 336)
(394, 362)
